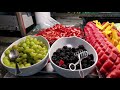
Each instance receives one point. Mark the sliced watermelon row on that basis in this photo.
(108, 55)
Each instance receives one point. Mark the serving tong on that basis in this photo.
(81, 55)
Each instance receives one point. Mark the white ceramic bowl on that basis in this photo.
(34, 68)
(74, 42)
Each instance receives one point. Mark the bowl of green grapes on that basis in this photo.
(33, 55)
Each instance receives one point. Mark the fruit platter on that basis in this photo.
(103, 37)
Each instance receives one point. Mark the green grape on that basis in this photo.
(34, 47)
(20, 49)
(27, 47)
(37, 61)
(44, 53)
(37, 50)
(24, 56)
(20, 62)
(14, 47)
(36, 58)
(32, 43)
(24, 45)
(6, 57)
(21, 43)
(39, 47)
(35, 40)
(9, 49)
(21, 65)
(24, 60)
(33, 54)
(7, 52)
(31, 39)
(28, 42)
(24, 63)
(27, 65)
(29, 50)
(18, 59)
(39, 56)
(12, 64)
(21, 54)
(6, 61)
(43, 56)
(40, 42)
(28, 37)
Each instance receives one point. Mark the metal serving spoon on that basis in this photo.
(14, 54)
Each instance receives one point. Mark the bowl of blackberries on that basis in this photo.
(66, 50)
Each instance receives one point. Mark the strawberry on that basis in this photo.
(61, 62)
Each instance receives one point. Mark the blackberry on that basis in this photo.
(56, 62)
(91, 56)
(73, 50)
(55, 53)
(78, 66)
(81, 47)
(62, 54)
(91, 62)
(85, 60)
(67, 65)
(71, 53)
(68, 50)
(54, 58)
(65, 47)
(64, 66)
(84, 66)
(59, 50)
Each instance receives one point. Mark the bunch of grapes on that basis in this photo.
(31, 51)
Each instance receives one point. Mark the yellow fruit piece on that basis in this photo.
(115, 34)
(118, 47)
(98, 26)
(105, 25)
